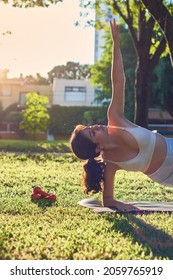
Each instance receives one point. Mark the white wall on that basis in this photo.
(72, 92)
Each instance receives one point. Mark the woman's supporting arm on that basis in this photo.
(108, 191)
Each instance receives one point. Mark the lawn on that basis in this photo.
(34, 146)
(63, 229)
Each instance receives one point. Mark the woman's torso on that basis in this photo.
(138, 149)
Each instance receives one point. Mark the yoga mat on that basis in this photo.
(143, 206)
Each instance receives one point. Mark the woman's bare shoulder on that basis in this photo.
(119, 121)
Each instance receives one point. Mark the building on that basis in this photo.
(72, 92)
(14, 91)
(63, 92)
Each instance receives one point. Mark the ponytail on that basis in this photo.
(93, 176)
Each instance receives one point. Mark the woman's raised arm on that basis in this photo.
(116, 107)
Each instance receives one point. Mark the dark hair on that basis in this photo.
(84, 148)
(93, 176)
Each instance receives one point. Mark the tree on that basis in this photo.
(164, 18)
(148, 42)
(5, 113)
(12, 115)
(31, 3)
(72, 70)
(35, 116)
(38, 80)
(161, 86)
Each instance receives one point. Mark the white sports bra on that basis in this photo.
(146, 140)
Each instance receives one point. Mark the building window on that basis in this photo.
(76, 94)
(22, 98)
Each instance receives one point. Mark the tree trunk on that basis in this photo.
(145, 67)
(160, 13)
(142, 82)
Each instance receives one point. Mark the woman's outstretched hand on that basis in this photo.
(115, 32)
(124, 207)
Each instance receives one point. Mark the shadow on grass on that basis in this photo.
(43, 203)
(159, 242)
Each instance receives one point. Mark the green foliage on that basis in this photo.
(162, 85)
(35, 116)
(6, 115)
(11, 108)
(14, 117)
(147, 40)
(97, 116)
(64, 230)
(38, 80)
(64, 119)
(31, 4)
(72, 70)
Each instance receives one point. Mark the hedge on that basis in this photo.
(64, 119)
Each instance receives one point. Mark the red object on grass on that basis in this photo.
(35, 196)
(38, 193)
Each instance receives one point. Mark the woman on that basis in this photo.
(121, 144)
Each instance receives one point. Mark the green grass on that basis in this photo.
(34, 146)
(65, 230)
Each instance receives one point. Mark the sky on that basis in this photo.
(42, 38)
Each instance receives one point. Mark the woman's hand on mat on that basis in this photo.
(110, 202)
